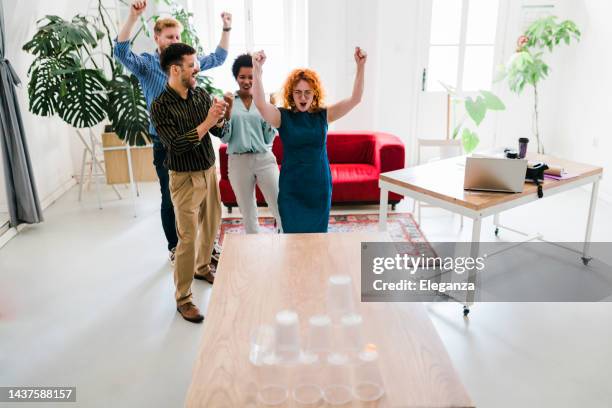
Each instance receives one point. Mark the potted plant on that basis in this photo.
(527, 66)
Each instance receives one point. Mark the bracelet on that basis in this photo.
(227, 28)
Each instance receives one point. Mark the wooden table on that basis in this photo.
(440, 184)
(262, 274)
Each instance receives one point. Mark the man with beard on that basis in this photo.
(183, 114)
(153, 79)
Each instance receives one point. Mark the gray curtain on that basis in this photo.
(21, 194)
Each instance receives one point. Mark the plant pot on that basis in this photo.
(116, 163)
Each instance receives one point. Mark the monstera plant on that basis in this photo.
(66, 80)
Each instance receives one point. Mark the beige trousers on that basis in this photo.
(246, 170)
(197, 207)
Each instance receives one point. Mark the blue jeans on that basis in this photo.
(167, 210)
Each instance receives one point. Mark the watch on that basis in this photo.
(227, 28)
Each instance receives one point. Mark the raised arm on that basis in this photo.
(269, 112)
(338, 110)
(227, 26)
(123, 50)
(217, 58)
(136, 9)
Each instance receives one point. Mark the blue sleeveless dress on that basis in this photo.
(305, 184)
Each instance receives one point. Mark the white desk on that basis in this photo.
(441, 184)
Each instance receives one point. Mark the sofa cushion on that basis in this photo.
(353, 172)
(354, 182)
(350, 148)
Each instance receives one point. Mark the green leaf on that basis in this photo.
(45, 43)
(206, 83)
(469, 140)
(57, 36)
(45, 86)
(84, 102)
(127, 110)
(492, 101)
(476, 109)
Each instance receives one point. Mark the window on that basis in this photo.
(276, 26)
(462, 44)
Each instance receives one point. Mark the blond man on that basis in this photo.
(146, 67)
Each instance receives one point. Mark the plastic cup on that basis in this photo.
(351, 329)
(319, 339)
(339, 297)
(337, 389)
(272, 382)
(262, 344)
(307, 388)
(368, 381)
(287, 337)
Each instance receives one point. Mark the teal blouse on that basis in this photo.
(247, 132)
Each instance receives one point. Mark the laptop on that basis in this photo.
(495, 174)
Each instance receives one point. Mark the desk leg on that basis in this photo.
(587, 238)
(474, 250)
(496, 223)
(384, 204)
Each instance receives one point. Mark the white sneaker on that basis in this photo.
(172, 256)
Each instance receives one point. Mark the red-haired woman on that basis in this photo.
(304, 197)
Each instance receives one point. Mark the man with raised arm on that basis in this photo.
(146, 67)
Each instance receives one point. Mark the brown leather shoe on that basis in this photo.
(190, 312)
(209, 277)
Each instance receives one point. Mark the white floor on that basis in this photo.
(86, 300)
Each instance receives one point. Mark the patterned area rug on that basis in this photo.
(401, 227)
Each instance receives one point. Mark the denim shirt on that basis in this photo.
(147, 69)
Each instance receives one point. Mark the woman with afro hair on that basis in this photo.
(305, 184)
(249, 142)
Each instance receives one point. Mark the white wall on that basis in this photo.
(387, 31)
(580, 127)
(49, 139)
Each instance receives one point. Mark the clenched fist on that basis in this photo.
(227, 19)
(259, 58)
(360, 56)
(138, 7)
(228, 97)
(216, 111)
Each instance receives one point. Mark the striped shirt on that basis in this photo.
(176, 120)
(147, 69)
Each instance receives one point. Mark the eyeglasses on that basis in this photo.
(298, 94)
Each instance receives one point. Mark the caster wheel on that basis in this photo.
(586, 261)
(496, 232)
(466, 311)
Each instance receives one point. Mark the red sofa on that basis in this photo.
(356, 160)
